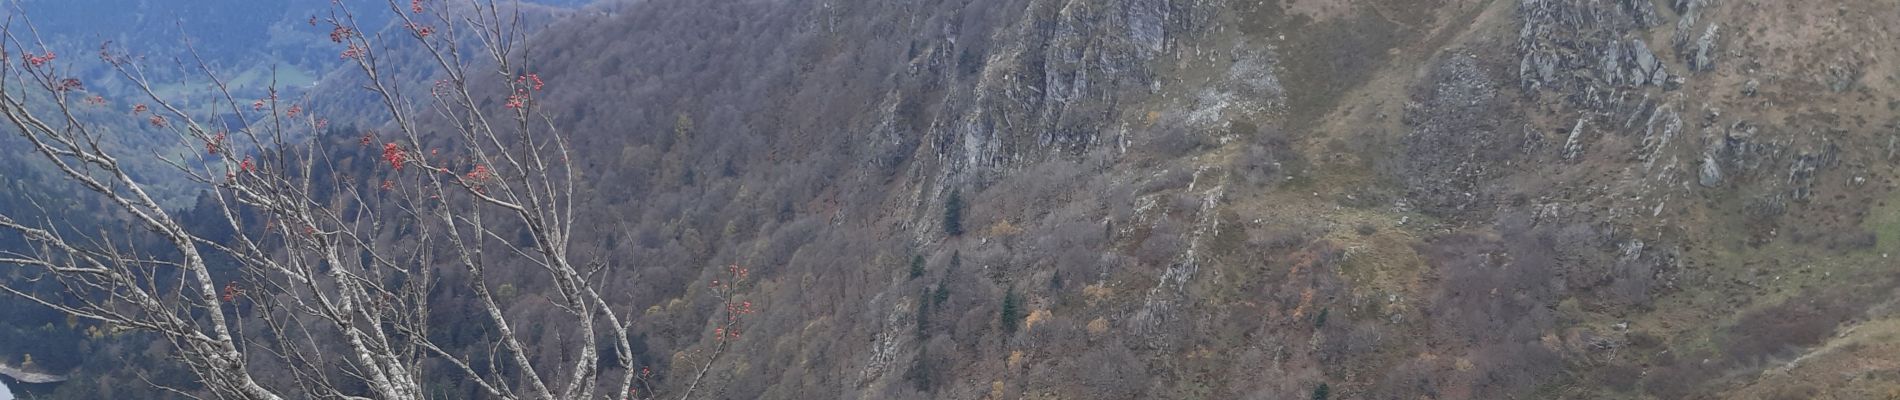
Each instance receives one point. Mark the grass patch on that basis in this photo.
(1884, 220)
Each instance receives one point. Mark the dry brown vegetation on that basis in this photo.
(1405, 218)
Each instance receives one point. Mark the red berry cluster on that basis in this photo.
(420, 30)
(339, 33)
(231, 292)
(216, 143)
(533, 80)
(734, 310)
(35, 60)
(524, 84)
(394, 155)
(480, 174)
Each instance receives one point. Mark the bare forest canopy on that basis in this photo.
(1000, 199)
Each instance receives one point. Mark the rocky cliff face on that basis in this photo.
(1256, 199)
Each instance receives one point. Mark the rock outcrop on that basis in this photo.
(24, 375)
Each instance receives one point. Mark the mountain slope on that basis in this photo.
(1121, 199)
(1217, 199)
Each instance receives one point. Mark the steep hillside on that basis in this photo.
(1216, 199)
(1222, 199)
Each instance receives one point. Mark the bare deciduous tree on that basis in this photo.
(334, 272)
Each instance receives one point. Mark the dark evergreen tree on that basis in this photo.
(919, 372)
(1012, 311)
(923, 314)
(953, 214)
(916, 266)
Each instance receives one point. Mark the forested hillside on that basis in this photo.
(1205, 199)
(1219, 199)
(250, 47)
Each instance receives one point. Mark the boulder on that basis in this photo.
(1648, 69)
(1613, 63)
(1711, 166)
(1643, 12)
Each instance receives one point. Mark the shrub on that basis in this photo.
(506, 292)
(1110, 372)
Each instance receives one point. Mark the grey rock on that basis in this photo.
(1802, 173)
(1655, 141)
(1536, 70)
(1711, 167)
(1751, 87)
(1840, 78)
(1573, 146)
(1546, 69)
(1890, 146)
(1690, 11)
(1147, 21)
(1526, 74)
(1741, 131)
(1645, 59)
(1704, 59)
(1643, 12)
(1649, 69)
(1613, 63)
(1455, 142)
